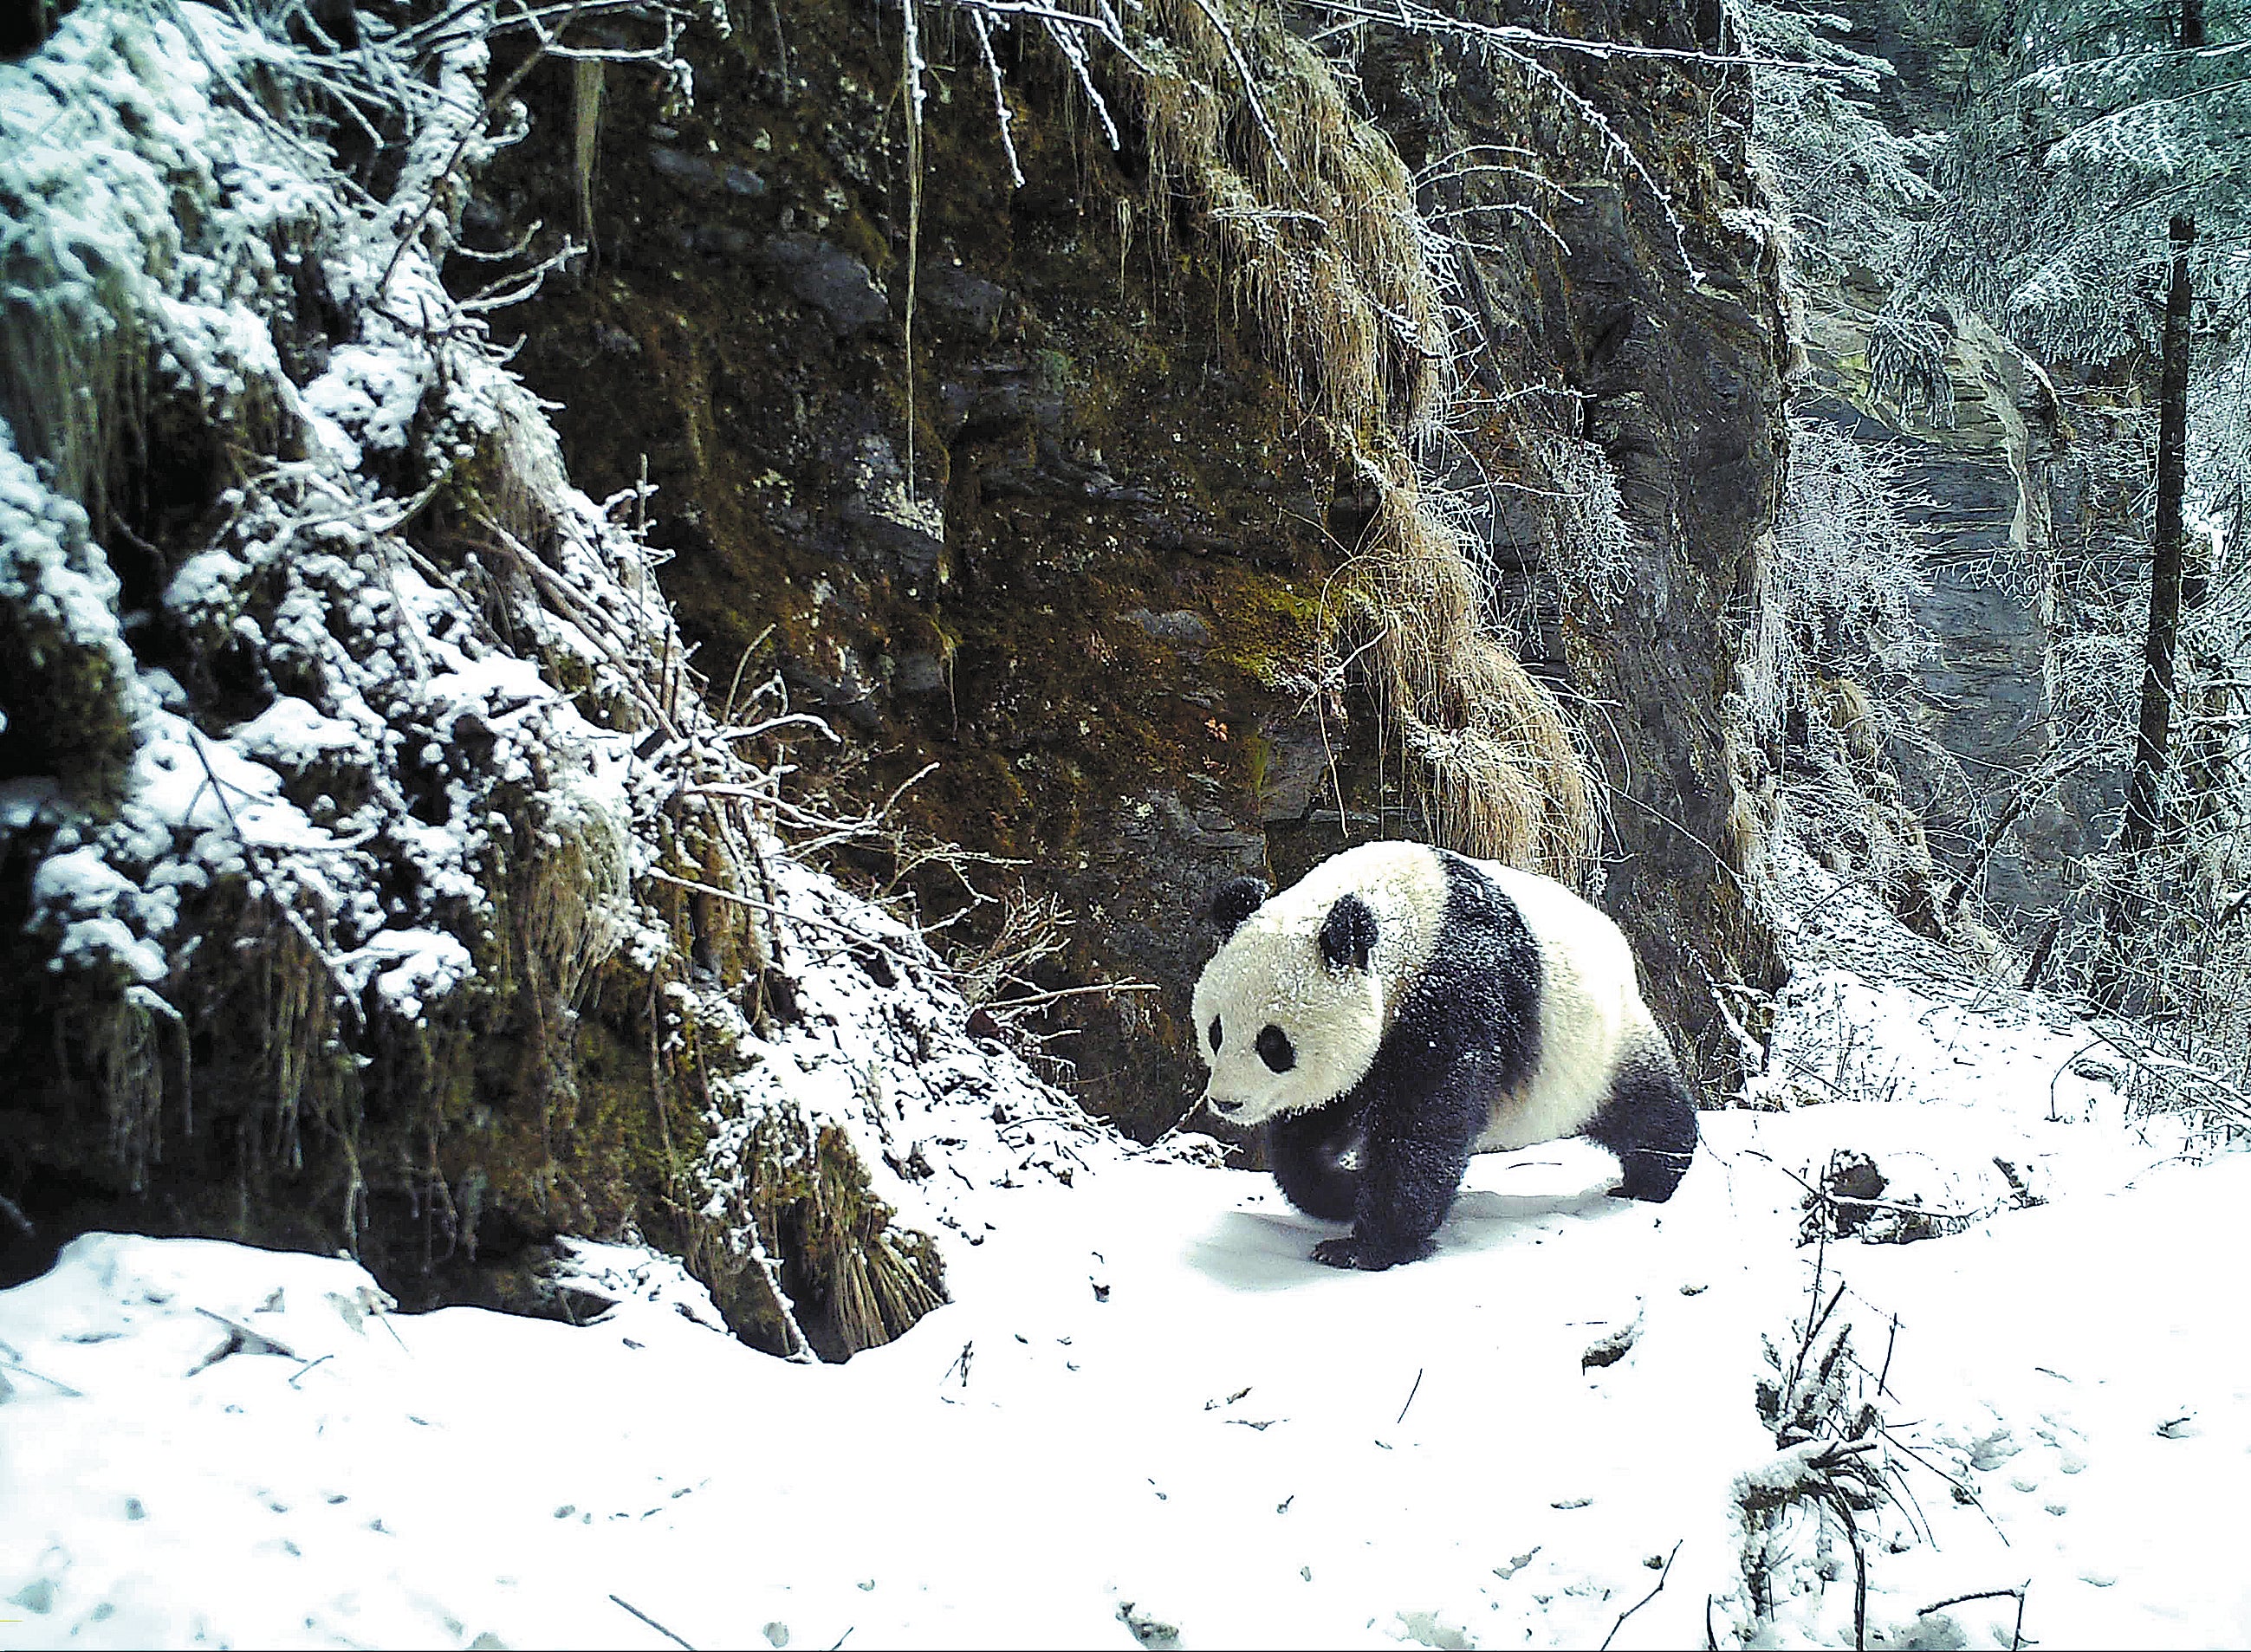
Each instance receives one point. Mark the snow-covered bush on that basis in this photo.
(375, 872)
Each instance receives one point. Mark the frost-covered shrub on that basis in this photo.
(1594, 548)
(1907, 360)
(1832, 652)
(1848, 567)
(1853, 188)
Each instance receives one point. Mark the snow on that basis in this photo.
(1148, 1414)
(376, 392)
(83, 886)
(291, 734)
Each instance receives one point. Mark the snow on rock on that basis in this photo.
(877, 1046)
(96, 903)
(156, 218)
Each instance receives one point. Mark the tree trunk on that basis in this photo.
(2137, 833)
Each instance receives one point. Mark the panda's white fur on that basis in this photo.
(1592, 1019)
(1271, 970)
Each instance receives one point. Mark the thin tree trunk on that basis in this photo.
(2137, 833)
(2166, 555)
(2042, 950)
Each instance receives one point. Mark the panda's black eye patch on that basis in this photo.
(1214, 1035)
(1274, 1049)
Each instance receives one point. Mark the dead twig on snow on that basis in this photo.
(1651, 1596)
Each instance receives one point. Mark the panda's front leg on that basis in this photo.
(1306, 1150)
(1411, 1166)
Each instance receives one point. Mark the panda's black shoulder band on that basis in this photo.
(1348, 934)
(1235, 900)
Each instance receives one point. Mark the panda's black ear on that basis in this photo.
(1234, 901)
(1348, 934)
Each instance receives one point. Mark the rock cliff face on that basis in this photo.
(1992, 498)
(1655, 328)
(1096, 553)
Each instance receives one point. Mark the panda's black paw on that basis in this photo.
(1347, 1252)
(1356, 1252)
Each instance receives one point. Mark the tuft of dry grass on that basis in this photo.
(1491, 756)
(1312, 210)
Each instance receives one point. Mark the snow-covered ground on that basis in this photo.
(1148, 1416)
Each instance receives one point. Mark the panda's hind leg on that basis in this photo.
(1649, 1122)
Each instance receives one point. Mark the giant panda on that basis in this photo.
(1402, 1007)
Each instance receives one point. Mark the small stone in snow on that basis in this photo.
(777, 1635)
(1570, 1503)
(37, 1595)
(1151, 1632)
(1427, 1628)
(135, 1510)
(1516, 1565)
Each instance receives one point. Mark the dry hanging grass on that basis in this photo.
(1497, 770)
(1328, 258)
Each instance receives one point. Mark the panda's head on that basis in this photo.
(1289, 1012)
